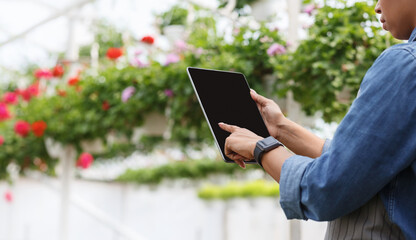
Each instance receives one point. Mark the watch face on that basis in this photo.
(269, 143)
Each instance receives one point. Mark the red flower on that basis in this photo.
(1, 140)
(85, 160)
(8, 196)
(43, 73)
(58, 71)
(10, 98)
(28, 93)
(4, 112)
(61, 93)
(22, 128)
(148, 39)
(39, 128)
(114, 53)
(34, 89)
(105, 106)
(73, 81)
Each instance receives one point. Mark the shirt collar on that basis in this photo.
(413, 36)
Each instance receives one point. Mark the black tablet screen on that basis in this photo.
(225, 97)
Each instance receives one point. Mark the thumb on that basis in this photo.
(258, 98)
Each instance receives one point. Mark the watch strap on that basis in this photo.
(263, 146)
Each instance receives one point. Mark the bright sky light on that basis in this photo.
(17, 16)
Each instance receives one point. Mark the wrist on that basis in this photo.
(282, 125)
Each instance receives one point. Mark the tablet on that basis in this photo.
(225, 97)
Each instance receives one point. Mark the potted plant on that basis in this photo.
(172, 22)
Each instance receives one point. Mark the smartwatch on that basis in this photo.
(263, 146)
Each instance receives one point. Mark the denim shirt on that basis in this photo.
(372, 152)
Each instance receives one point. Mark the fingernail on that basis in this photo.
(253, 90)
(220, 123)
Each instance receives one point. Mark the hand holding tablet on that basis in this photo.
(225, 97)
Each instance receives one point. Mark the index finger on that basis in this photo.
(227, 127)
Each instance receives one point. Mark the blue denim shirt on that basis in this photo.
(372, 152)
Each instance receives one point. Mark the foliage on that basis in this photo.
(91, 104)
(106, 36)
(191, 169)
(341, 46)
(258, 188)
(176, 15)
(240, 3)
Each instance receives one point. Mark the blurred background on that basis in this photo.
(102, 137)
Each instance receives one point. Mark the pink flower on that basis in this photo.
(276, 49)
(43, 73)
(85, 160)
(127, 93)
(236, 31)
(137, 63)
(181, 46)
(1, 140)
(172, 58)
(198, 52)
(266, 39)
(8, 196)
(309, 9)
(10, 98)
(138, 52)
(31, 91)
(22, 128)
(4, 112)
(168, 92)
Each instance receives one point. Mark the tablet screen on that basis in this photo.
(225, 97)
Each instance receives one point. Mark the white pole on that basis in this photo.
(293, 8)
(294, 110)
(67, 158)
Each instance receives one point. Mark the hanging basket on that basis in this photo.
(95, 146)
(262, 10)
(174, 32)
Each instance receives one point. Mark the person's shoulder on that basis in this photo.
(395, 64)
(401, 50)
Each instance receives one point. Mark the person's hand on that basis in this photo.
(270, 111)
(240, 145)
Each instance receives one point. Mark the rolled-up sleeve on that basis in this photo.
(375, 141)
(292, 172)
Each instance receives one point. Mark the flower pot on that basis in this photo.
(155, 124)
(93, 146)
(53, 148)
(174, 32)
(262, 10)
(116, 138)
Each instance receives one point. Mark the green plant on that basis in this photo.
(258, 188)
(191, 169)
(341, 45)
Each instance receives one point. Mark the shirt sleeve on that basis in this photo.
(375, 141)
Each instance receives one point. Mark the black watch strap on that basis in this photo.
(263, 146)
(258, 153)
